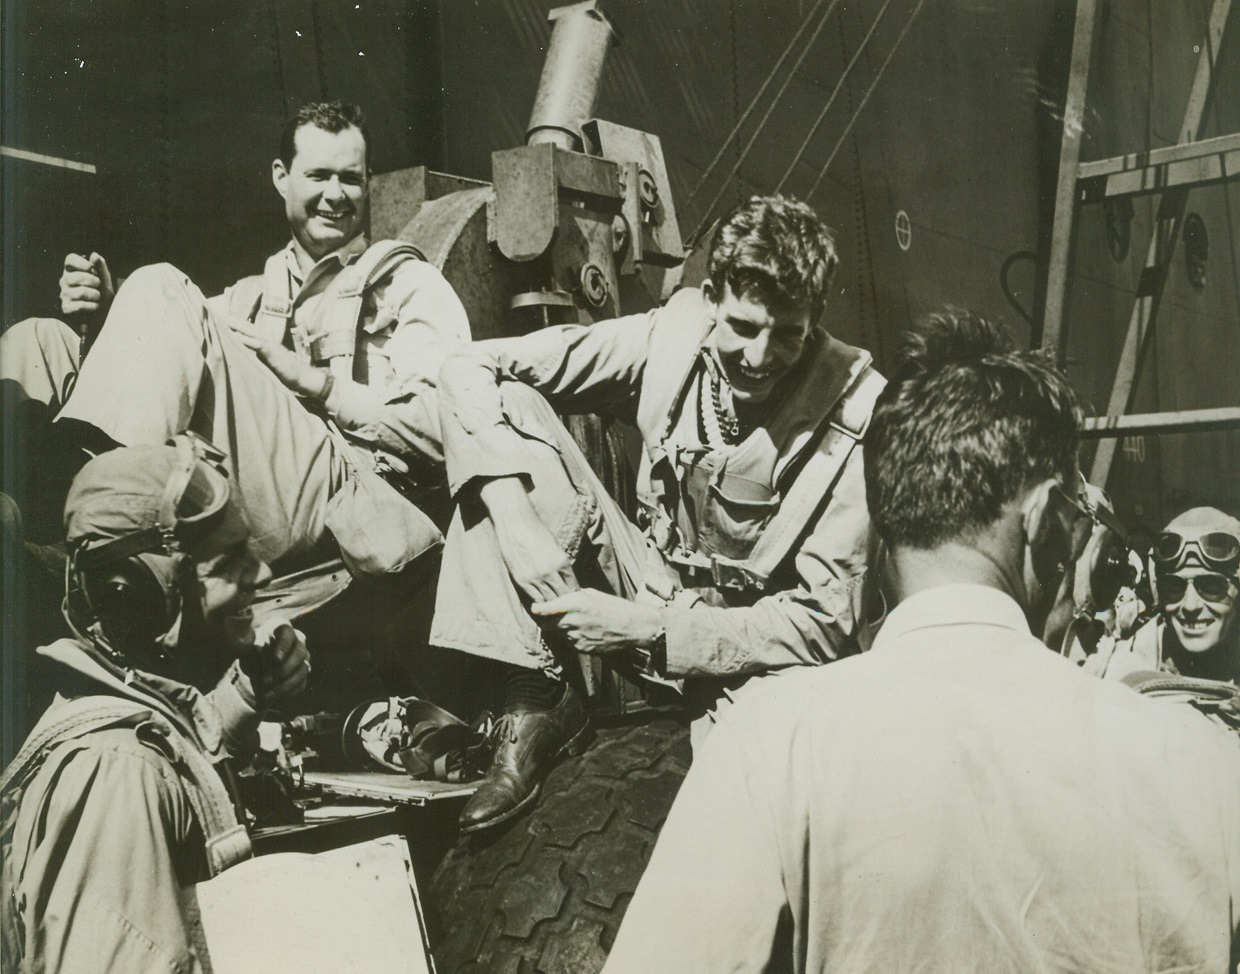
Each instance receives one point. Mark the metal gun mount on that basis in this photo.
(577, 225)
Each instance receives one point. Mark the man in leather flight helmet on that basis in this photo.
(117, 801)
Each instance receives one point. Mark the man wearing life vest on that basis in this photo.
(309, 376)
(117, 801)
(752, 535)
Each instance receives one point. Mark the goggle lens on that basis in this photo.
(1218, 548)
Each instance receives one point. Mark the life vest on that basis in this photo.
(779, 484)
(265, 300)
(226, 840)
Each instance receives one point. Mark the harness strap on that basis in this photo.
(845, 428)
(275, 308)
(227, 841)
(74, 719)
(337, 344)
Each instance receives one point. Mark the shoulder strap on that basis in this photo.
(845, 427)
(276, 302)
(347, 294)
(75, 718)
(227, 841)
(673, 361)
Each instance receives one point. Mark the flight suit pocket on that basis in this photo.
(735, 512)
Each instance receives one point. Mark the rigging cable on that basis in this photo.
(834, 93)
(869, 91)
(761, 124)
(753, 103)
(1226, 188)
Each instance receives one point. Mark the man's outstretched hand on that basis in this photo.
(599, 623)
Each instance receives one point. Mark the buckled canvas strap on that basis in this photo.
(815, 481)
(347, 294)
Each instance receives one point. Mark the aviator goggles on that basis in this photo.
(192, 507)
(1211, 586)
(1217, 550)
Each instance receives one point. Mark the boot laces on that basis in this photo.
(504, 727)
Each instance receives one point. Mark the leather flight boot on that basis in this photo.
(527, 745)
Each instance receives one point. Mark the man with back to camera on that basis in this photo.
(1195, 562)
(959, 798)
(753, 535)
(115, 804)
(267, 367)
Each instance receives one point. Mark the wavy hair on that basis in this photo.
(967, 423)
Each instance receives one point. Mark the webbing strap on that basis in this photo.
(844, 430)
(227, 841)
(347, 293)
(75, 718)
(275, 309)
(336, 344)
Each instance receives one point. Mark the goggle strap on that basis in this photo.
(152, 540)
(187, 459)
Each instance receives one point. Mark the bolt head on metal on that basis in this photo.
(647, 190)
(593, 285)
(619, 234)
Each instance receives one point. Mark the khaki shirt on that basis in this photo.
(809, 613)
(958, 799)
(411, 320)
(105, 838)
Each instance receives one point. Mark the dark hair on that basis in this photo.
(777, 249)
(330, 116)
(967, 423)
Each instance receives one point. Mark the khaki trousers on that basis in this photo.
(164, 363)
(39, 361)
(477, 608)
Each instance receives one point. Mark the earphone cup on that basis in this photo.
(130, 603)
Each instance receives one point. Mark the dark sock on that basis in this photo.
(531, 690)
(81, 437)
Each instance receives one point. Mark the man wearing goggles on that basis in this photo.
(117, 801)
(1195, 562)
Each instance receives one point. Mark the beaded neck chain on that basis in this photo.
(720, 423)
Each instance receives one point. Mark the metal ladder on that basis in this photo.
(1170, 171)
